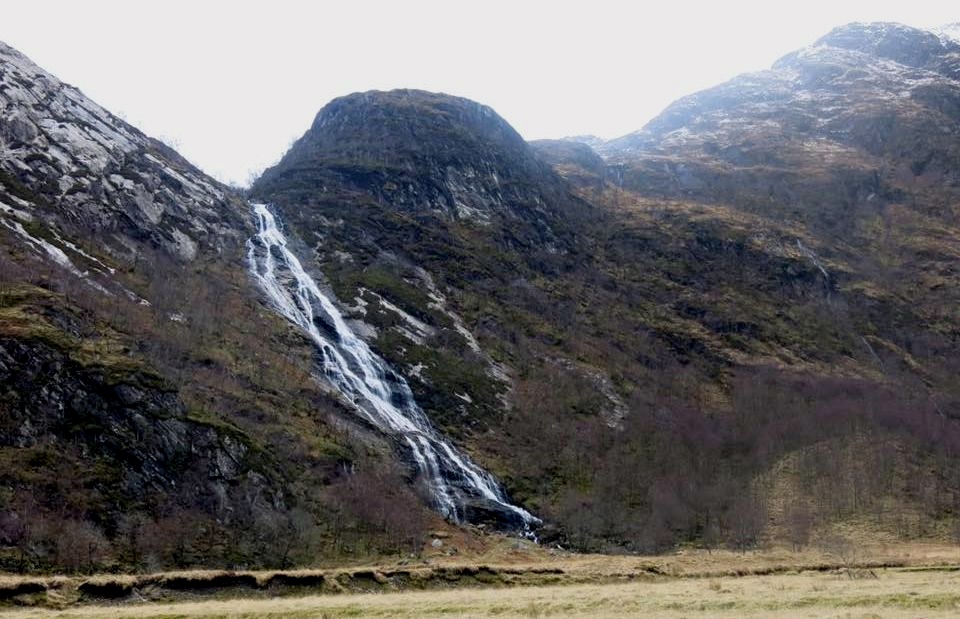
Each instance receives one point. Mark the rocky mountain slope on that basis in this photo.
(762, 271)
(800, 224)
(847, 151)
(155, 412)
(736, 324)
(407, 197)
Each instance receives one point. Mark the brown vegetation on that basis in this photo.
(527, 567)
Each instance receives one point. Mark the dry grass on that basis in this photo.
(509, 578)
(504, 552)
(892, 593)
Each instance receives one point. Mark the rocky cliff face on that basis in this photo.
(421, 152)
(99, 440)
(85, 170)
(130, 438)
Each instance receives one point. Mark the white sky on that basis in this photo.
(231, 84)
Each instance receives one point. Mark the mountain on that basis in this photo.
(155, 412)
(758, 271)
(429, 154)
(862, 94)
(407, 197)
(797, 228)
(736, 324)
(949, 32)
(574, 160)
(852, 143)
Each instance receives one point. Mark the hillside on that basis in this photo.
(799, 227)
(843, 155)
(737, 325)
(731, 302)
(155, 412)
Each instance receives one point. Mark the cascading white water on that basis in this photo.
(378, 393)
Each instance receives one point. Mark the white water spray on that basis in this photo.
(378, 393)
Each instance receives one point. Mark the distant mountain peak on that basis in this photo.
(906, 45)
(827, 83)
(590, 140)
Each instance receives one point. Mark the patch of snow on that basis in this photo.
(439, 303)
(418, 330)
(135, 297)
(410, 335)
(55, 253)
(618, 410)
(416, 371)
(468, 336)
(365, 331)
(360, 307)
(121, 182)
(343, 257)
(20, 202)
(79, 251)
(21, 215)
(949, 33)
(809, 253)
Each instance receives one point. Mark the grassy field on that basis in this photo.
(919, 580)
(895, 592)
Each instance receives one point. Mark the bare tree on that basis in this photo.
(80, 546)
(839, 546)
(745, 523)
(798, 521)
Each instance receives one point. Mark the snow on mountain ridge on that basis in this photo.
(948, 32)
(854, 65)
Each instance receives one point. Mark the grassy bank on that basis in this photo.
(893, 592)
(512, 579)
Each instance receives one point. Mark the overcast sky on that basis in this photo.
(231, 84)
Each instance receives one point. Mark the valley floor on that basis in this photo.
(895, 592)
(918, 580)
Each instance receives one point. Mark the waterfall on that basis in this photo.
(379, 394)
